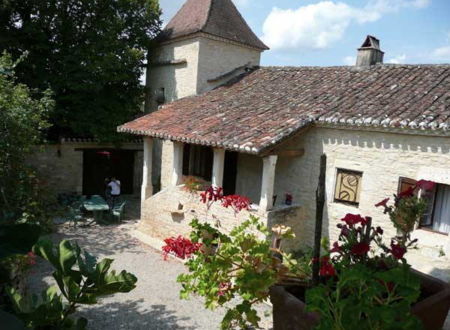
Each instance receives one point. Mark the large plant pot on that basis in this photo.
(289, 310)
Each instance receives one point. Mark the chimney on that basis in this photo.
(369, 53)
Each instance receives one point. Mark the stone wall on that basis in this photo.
(249, 175)
(218, 57)
(169, 212)
(178, 80)
(382, 157)
(62, 164)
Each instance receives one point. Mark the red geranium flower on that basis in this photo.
(223, 288)
(180, 246)
(353, 219)
(383, 202)
(425, 184)
(326, 268)
(360, 248)
(397, 250)
(336, 247)
(407, 193)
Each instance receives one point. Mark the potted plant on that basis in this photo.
(362, 281)
(365, 281)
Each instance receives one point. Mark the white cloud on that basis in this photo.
(442, 53)
(349, 60)
(319, 25)
(397, 59)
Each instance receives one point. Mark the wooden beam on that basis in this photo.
(289, 152)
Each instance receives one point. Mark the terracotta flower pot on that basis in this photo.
(289, 312)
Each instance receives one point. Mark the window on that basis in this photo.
(348, 186)
(198, 161)
(437, 215)
(404, 184)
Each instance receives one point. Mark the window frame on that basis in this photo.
(360, 174)
(429, 227)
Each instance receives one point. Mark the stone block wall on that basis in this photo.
(61, 165)
(382, 157)
(218, 57)
(169, 212)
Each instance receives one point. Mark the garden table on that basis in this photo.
(97, 205)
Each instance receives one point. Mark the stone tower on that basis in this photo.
(204, 45)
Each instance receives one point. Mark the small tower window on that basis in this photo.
(161, 96)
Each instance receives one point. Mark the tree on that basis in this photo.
(90, 53)
(22, 120)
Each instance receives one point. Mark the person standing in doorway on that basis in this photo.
(115, 191)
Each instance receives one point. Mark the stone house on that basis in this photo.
(260, 131)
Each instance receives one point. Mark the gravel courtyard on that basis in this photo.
(154, 303)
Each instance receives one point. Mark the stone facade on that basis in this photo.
(382, 158)
(169, 212)
(186, 67)
(62, 164)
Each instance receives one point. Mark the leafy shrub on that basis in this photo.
(80, 279)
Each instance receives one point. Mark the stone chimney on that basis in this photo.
(369, 53)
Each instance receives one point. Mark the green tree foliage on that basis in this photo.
(22, 119)
(90, 53)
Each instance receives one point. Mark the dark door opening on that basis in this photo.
(230, 172)
(99, 164)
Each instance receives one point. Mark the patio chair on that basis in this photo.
(117, 211)
(75, 213)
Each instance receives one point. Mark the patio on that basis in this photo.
(154, 303)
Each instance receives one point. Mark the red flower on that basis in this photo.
(353, 219)
(379, 230)
(397, 250)
(237, 202)
(382, 203)
(211, 194)
(180, 246)
(407, 193)
(336, 247)
(360, 248)
(326, 268)
(425, 185)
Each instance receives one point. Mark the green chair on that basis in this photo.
(75, 213)
(117, 211)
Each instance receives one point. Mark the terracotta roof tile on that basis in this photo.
(216, 17)
(261, 108)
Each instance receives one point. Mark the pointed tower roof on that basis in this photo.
(216, 17)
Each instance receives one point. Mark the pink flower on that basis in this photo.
(360, 248)
(397, 250)
(223, 288)
(425, 185)
(382, 203)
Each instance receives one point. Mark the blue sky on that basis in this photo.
(314, 32)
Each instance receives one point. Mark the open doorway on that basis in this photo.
(99, 164)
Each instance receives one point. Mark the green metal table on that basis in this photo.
(97, 205)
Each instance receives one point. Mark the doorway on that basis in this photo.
(99, 164)
(230, 173)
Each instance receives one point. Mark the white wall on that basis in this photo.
(382, 157)
(217, 57)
